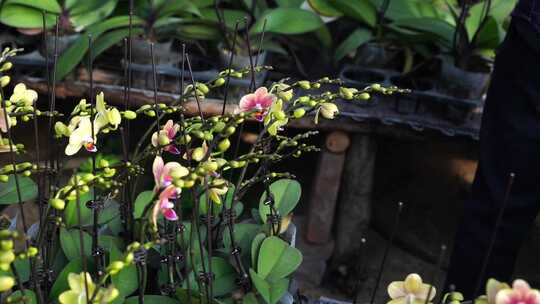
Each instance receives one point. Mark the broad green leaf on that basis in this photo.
(20, 16)
(362, 11)
(76, 7)
(125, 280)
(224, 277)
(490, 35)
(192, 298)
(110, 211)
(151, 299)
(250, 298)
(324, 36)
(287, 21)
(93, 16)
(198, 32)
(71, 245)
(441, 29)
(179, 7)
(277, 259)
(243, 236)
(144, 199)
(23, 269)
(255, 247)
(109, 242)
(50, 6)
(324, 8)
(271, 292)
(286, 193)
(73, 55)
(61, 284)
(8, 191)
(186, 235)
(289, 3)
(352, 42)
(29, 294)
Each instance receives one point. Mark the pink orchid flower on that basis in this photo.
(259, 102)
(162, 172)
(521, 293)
(165, 206)
(169, 130)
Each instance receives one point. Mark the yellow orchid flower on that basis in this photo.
(217, 189)
(77, 294)
(21, 93)
(104, 116)
(276, 118)
(81, 136)
(410, 291)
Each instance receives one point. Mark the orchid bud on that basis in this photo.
(376, 87)
(129, 258)
(130, 114)
(7, 257)
(151, 113)
(364, 96)
(210, 166)
(114, 117)
(198, 154)
(6, 66)
(103, 163)
(230, 131)
(329, 110)
(61, 129)
(280, 115)
(4, 81)
(58, 204)
(163, 139)
(219, 126)
(304, 84)
(6, 245)
(224, 145)
(316, 85)
(300, 112)
(345, 93)
(203, 88)
(219, 82)
(32, 251)
(4, 178)
(189, 184)
(6, 283)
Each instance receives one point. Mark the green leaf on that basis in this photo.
(224, 277)
(91, 16)
(108, 242)
(440, 29)
(271, 292)
(286, 193)
(243, 236)
(289, 3)
(351, 43)
(255, 247)
(23, 269)
(20, 16)
(125, 280)
(362, 11)
(198, 32)
(179, 7)
(8, 191)
(61, 283)
(324, 8)
(277, 259)
(72, 56)
(250, 298)
(287, 21)
(50, 6)
(144, 199)
(71, 245)
(29, 294)
(151, 299)
(71, 218)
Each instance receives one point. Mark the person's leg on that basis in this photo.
(510, 142)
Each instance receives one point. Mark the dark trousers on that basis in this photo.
(509, 142)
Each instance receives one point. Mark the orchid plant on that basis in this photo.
(103, 238)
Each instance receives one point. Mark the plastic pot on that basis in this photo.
(62, 44)
(375, 55)
(460, 83)
(163, 53)
(240, 61)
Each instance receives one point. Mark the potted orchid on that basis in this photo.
(104, 236)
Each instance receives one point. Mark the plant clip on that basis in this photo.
(206, 277)
(204, 219)
(170, 237)
(179, 257)
(181, 228)
(273, 218)
(236, 251)
(164, 259)
(98, 251)
(243, 281)
(168, 289)
(139, 256)
(228, 215)
(95, 204)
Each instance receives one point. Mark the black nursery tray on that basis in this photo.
(424, 97)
